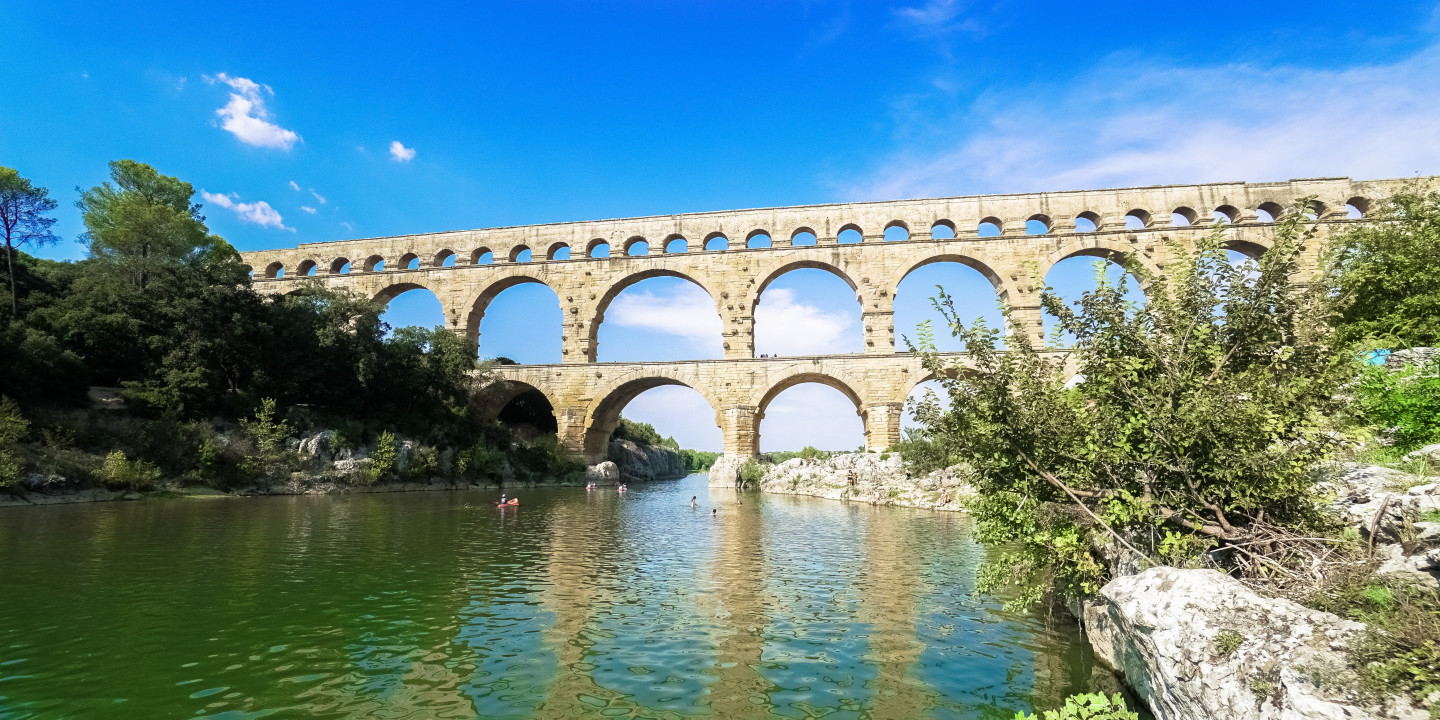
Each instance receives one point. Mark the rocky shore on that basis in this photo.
(875, 479)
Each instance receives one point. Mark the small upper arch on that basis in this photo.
(1357, 207)
(1227, 214)
(1269, 211)
(716, 241)
(896, 231)
(758, 238)
(597, 248)
(275, 270)
(803, 236)
(1183, 216)
(374, 263)
(989, 227)
(850, 233)
(637, 246)
(1088, 221)
(1138, 219)
(482, 256)
(1039, 224)
(558, 251)
(444, 258)
(942, 230)
(340, 266)
(306, 268)
(520, 254)
(409, 261)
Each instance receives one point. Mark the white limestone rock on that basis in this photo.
(1159, 629)
(725, 471)
(875, 478)
(644, 463)
(605, 473)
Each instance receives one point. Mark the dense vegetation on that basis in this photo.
(1201, 418)
(165, 310)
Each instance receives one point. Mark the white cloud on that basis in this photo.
(678, 412)
(256, 213)
(937, 17)
(784, 326)
(1129, 122)
(347, 226)
(246, 117)
(686, 311)
(319, 197)
(308, 209)
(294, 186)
(401, 153)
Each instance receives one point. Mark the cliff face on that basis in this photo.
(643, 463)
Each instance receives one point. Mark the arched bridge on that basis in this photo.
(1012, 240)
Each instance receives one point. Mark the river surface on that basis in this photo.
(574, 605)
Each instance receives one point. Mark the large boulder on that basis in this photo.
(1199, 645)
(643, 463)
(726, 470)
(604, 473)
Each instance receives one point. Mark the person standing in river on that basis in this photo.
(692, 501)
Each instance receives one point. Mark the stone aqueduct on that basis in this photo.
(587, 396)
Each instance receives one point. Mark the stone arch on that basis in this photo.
(949, 229)
(406, 259)
(306, 267)
(1248, 248)
(603, 413)
(1229, 212)
(392, 291)
(372, 263)
(1089, 216)
(983, 265)
(555, 249)
(1273, 209)
(1360, 204)
(442, 256)
(493, 398)
(995, 222)
(774, 274)
(482, 302)
(632, 242)
(517, 251)
(477, 257)
(1045, 222)
(613, 291)
(850, 227)
(1142, 216)
(803, 229)
(339, 266)
(275, 269)
(594, 245)
(1100, 247)
(1188, 214)
(800, 374)
(757, 232)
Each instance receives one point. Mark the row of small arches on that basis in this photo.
(1038, 224)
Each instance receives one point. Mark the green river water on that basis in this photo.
(574, 605)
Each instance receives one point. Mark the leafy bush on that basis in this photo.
(1403, 405)
(13, 427)
(641, 433)
(698, 460)
(120, 471)
(750, 474)
(1087, 707)
(1201, 413)
(383, 457)
(1385, 275)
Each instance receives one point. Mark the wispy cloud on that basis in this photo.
(256, 213)
(785, 326)
(246, 117)
(320, 198)
(308, 209)
(1129, 122)
(686, 311)
(401, 153)
(294, 186)
(937, 17)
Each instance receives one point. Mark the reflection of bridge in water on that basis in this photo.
(1012, 240)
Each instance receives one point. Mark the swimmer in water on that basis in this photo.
(692, 501)
(712, 512)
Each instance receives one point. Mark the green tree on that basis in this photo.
(23, 220)
(1201, 412)
(1386, 276)
(13, 427)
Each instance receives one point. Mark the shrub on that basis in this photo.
(1087, 707)
(750, 474)
(120, 471)
(1403, 405)
(13, 427)
(1201, 413)
(1385, 275)
(382, 458)
(1400, 651)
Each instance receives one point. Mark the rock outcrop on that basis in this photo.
(605, 473)
(645, 463)
(1199, 645)
(878, 479)
(726, 470)
(1396, 508)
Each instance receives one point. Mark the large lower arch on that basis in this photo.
(775, 274)
(805, 376)
(612, 292)
(408, 311)
(603, 414)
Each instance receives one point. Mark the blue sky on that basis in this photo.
(312, 122)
